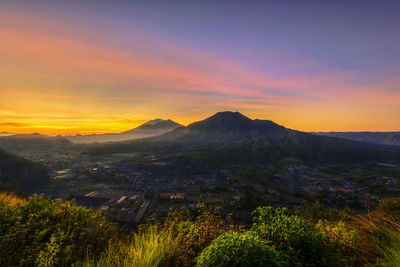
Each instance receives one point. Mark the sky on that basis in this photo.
(83, 67)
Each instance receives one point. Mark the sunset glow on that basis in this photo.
(110, 66)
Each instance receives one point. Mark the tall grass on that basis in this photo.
(150, 247)
(391, 252)
(390, 247)
(380, 239)
(9, 199)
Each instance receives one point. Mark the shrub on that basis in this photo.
(9, 199)
(195, 236)
(316, 212)
(240, 249)
(300, 239)
(343, 238)
(43, 232)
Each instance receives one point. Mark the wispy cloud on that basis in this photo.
(86, 77)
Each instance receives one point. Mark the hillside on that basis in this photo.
(21, 172)
(383, 138)
(19, 143)
(148, 129)
(233, 137)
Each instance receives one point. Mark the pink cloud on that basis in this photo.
(48, 60)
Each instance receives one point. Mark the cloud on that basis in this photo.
(12, 124)
(58, 76)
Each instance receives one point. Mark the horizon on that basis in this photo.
(4, 133)
(92, 68)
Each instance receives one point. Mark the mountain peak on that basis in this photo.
(226, 121)
(229, 123)
(230, 115)
(155, 125)
(153, 122)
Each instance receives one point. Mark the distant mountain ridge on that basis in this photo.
(231, 135)
(148, 129)
(383, 138)
(155, 125)
(32, 142)
(225, 126)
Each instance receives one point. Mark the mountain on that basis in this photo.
(222, 122)
(21, 172)
(148, 129)
(231, 136)
(19, 143)
(383, 138)
(155, 126)
(234, 125)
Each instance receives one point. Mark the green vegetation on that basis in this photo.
(195, 235)
(391, 252)
(176, 242)
(240, 249)
(294, 235)
(41, 232)
(149, 247)
(46, 233)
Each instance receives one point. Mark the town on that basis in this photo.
(131, 187)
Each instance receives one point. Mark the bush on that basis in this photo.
(43, 232)
(300, 239)
(194, 236)
(343, 238)
(316, 212)
(240, 249)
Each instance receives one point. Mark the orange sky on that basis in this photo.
(57, 78)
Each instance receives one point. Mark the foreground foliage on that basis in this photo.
(240, 249)
(41, 232)
(298, 238)
(194, 236)
(44, 233)
(149, 247)
(176, 242)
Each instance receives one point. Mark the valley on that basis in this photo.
(232, 164)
